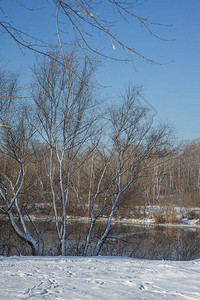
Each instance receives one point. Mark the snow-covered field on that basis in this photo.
(97, 278)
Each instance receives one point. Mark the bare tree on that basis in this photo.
(65, 118)
(9, 88)
(88, 20)
(134, 145)
(15, 146)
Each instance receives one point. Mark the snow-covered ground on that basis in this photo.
(97, 278)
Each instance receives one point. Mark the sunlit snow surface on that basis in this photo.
(97, 278)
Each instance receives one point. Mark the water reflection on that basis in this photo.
(145, 242)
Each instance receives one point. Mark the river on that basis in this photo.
(138, 241)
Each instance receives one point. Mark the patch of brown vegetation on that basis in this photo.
(197, 222)
(166, 216)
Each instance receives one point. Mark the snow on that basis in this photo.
(98, 278)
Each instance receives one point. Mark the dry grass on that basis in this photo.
(197, 222)
(166, 216)
(159, 217)
(137, 213)
(193, 215)
(171, 216)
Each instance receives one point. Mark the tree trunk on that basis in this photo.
(106, 232)
(63, 246)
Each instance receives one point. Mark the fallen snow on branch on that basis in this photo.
(97, 278)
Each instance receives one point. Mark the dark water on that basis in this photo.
(146, 242)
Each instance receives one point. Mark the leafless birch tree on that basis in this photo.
(65, 117)
(8, 92)
(15, 146)
(134, 143)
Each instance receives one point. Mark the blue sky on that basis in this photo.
(173, 88)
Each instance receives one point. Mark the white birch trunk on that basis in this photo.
(25, 234)
(107, 230)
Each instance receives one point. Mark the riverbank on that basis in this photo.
(146, 215)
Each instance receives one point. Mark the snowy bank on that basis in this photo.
(97, 278)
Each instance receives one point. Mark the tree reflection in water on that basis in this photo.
(144, 242)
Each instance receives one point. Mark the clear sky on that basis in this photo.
(173, 88)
